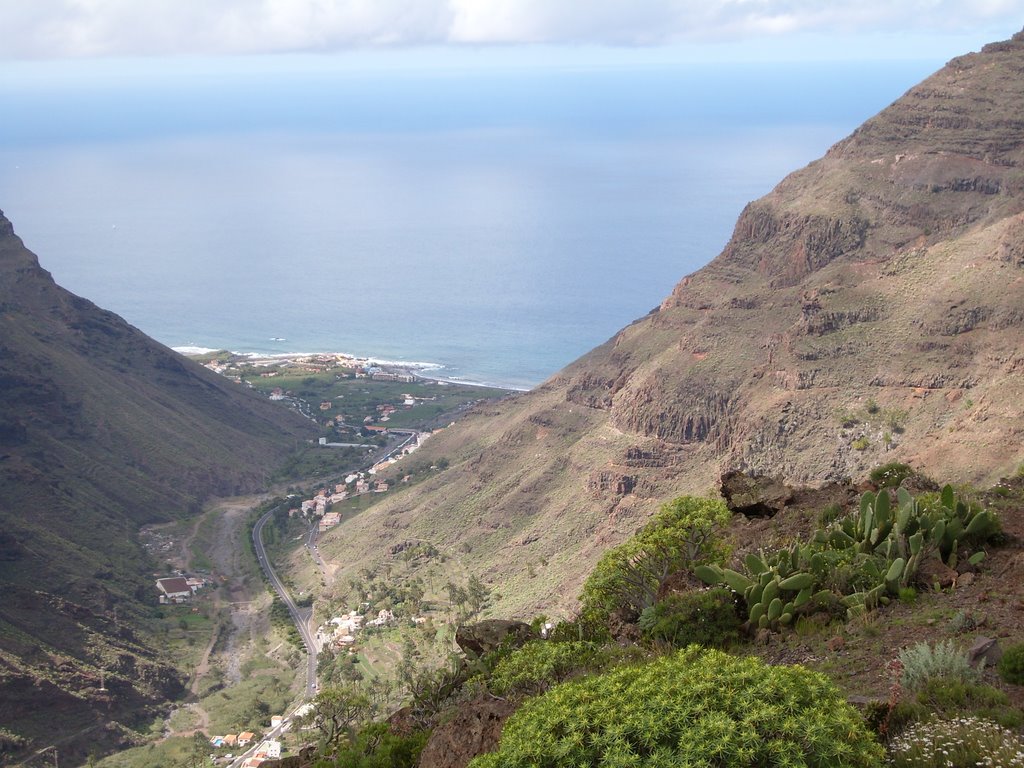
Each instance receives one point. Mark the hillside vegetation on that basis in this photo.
(867, 310)
(881, 631)
(102, 430)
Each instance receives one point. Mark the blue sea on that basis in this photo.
(495, 223)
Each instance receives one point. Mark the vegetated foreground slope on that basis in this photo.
(869, 309)
(102, 430)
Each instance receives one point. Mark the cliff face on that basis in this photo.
(869, 309)
(101, 430)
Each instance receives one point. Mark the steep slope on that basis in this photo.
(102, 430)
(869, 309)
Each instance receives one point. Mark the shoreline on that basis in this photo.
(415, 368)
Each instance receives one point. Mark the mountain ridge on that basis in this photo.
(102, 430)
(866, 310)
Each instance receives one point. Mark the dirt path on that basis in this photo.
(235, 589)
(227, 556)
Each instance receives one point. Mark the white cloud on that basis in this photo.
(71, 28)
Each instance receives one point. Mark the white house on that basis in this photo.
(174, 590)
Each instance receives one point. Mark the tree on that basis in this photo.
(682, 535)
(414, 597)
(476, 595)
(456, 595)
(198, 752)
(337, 714)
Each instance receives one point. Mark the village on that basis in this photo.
(237, 366)
(365, 414)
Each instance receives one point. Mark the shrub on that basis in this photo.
(706, 617)
(960, 743)
(376, 746)
(542, 663)
(830, 514)
(590, 624)
(890, 475)
(684, 534)
(695, 707)
(896, 418)
(1011, 666)
(861, 443)
(951, 696)
(908, 595)
(924, 662)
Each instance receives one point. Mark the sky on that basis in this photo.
(454, 32)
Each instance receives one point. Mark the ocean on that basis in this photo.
(496, 224)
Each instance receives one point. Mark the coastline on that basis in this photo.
(415, 368)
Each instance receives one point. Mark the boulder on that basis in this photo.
(754, 496)
(473, 730)
(985, 651)
(483, 637)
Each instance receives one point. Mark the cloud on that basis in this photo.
(81, 28)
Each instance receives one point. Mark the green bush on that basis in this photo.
(540, 664)
(695, 707)
(1011, 666)
(890, 475)
(707, 617)
(684, 534)
(951, 696)
(960, 743)
(376, 746)
(830, 514)
(923, 662)
(590, 624)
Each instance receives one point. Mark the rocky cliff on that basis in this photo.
(101, 431)
(869, 309)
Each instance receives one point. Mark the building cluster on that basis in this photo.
(341, 631)
(268, 749)
(178, 589)
(354, 485)
(410, 448)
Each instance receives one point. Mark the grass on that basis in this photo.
(249, 704)
(172, 753)
(357, 399)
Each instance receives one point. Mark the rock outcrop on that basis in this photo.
(867, 310)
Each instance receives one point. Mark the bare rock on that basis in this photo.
(473, 730)
(986, 650)
(485, 636)
(754, 496)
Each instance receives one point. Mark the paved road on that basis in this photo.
(300, 616)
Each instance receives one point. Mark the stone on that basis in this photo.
(472, 730)
(754, 496)
(986, 651)
(485, 636)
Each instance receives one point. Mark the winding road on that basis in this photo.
(300, 616)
